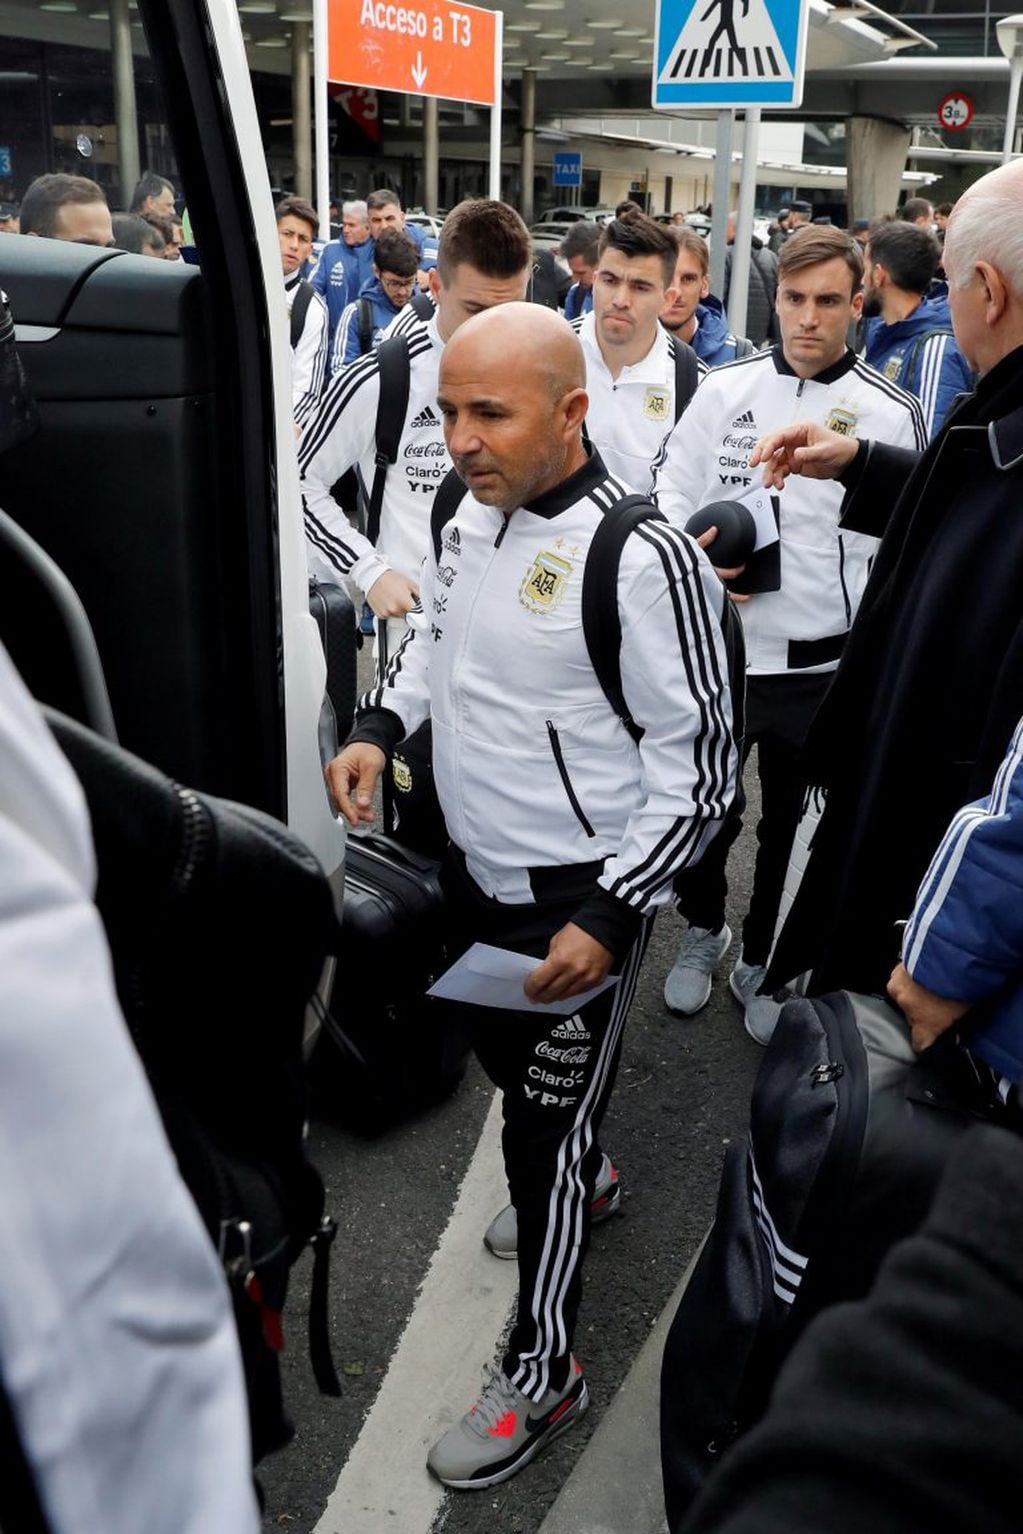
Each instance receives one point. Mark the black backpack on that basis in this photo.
(202, 899)
(602, 626)
(392, 408)
(299, 309)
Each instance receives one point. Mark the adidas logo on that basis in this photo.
(571, 1028)
(453, 542)
(424, 418)
(744, 422)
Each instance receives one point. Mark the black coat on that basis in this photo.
(929, 690)
(761, 319)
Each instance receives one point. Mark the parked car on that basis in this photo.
(548, 236)
(566, 214)
(425, 221)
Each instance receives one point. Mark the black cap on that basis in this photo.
(802, 207)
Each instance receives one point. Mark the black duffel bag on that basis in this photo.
(849, 1134)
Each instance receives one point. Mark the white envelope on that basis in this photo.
(493, 977)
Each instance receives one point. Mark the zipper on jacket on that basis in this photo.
(501, 532)
(195, 834)
(567, 781)
(841, 577)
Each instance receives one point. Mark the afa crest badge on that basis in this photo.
(655, 405)
(545, 581)
(892, 369)
(843, 420)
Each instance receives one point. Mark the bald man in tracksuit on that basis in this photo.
(565, 831)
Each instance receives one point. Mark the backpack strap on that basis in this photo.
(299, 309)
(421, 304)
(392, 408)
(365, 325)
(446, 500)
(743, 347)
(602, 625)
(687, 373)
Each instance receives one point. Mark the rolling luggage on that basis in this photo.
(849, 1134)
(386, 1049)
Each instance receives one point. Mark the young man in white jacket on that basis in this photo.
(795, 633)
(565, 830)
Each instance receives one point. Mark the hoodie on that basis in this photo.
(920, 354)
(347, 341)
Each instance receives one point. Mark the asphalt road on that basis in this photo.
(682, 1095)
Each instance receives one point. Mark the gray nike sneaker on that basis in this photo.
(504, 1430)
(501, 1236)
(687, 987)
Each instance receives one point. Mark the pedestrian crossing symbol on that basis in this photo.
(729, 53)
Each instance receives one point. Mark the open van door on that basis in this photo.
(163, 478)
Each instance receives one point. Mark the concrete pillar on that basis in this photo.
(528, 165)
(431, 155)
(722, 192)
(301, 110)
(876, 150)
(125, 110)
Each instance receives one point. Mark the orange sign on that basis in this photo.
(422, 47)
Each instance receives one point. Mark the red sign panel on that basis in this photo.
(955, 111)
(422, 47)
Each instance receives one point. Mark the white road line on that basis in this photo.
(435, 1371)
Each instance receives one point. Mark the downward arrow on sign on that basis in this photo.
(418, 72)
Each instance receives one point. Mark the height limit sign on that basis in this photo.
(421, 47)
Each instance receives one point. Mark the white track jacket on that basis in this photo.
(823, 567)
(532, 765)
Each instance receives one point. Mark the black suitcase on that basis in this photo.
(335, 616)
(386, 1049)
(849, 1134)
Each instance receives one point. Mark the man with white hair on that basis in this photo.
(345, 264)
(930, 686)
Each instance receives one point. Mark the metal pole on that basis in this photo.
(528, 142)
(125, 110)
(431, 154)
(301, 120)
(741, 250)
(722, 168)
(495, 110)
(322, 125)
(1015, 76)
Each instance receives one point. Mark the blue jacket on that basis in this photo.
(965, 937)
(578, 301)
(347, 342)
(920, 354)
(339, 276)
(426, 244)
(712, 342)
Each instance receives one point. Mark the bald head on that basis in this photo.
(983, 261)
(512, 392)
(527, 336)
(986, 224)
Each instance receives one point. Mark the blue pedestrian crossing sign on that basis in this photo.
(730, 53)
(568, 169)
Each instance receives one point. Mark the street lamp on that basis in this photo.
(1010, 40)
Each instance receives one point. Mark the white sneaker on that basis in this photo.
(687, 987)
(760, 1013)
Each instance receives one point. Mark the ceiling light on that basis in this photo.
(523, 26)
(296, 16)
(257, 7)
(629, 32)
(272, 42)
(608, 24)
(556, 36)
(624, 53)
(555, 58)
(579, 42)
(65, 6)
(544, 5)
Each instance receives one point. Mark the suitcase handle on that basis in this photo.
(400, 853)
